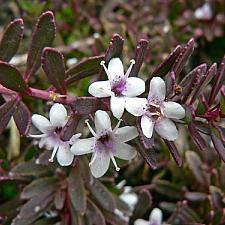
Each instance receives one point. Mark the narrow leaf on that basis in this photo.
(87, 105)
(195, 165)
(205, 79)
(30, 168)
(218, 144)
(174, 152)
(198, 139)
(102, 195)
(6, 112)
(140, 51)
(94, 214)
(183, 57)
(84, 68)
(218, 81)
(70, 128)
(11, 40)
(76, 190)
(22, 117)
(53, 65)
(39, 186)
(12, 79)
(114, 50)
(195, 196)
(33, 209)
(167, 63)
(43, 36)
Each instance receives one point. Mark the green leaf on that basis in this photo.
(102, 195)
(37, 187)
(85, 68)
(43, 36)
(12, 79)
(76, 190)
(11, 40)
(53, 65)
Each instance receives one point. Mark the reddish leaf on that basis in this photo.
(196, 196)
(198, 139)
(114, 50)
(174, 152)
(53, 65)
(76, 190)
(183, 57)
(70, 128)
(94, 214)
(218, 81)
(6, 112)
(43, 36)
(11, 78)
(205, 79)
(102, 195)
(22, 117)
(85, 68)
(139, 57)
(167, 63)
(87, 105)
(11, 40)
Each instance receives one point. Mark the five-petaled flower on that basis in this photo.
(118, 86)
(106, 144)
(156, 112)
(50, 137)
(154, 219)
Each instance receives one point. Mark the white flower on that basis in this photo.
(50, 137)
(119, 86)
(154, 219)
(106, 144)
(156, 112)
(204, 12)
(129, 197)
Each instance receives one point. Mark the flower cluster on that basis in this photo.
(108, 143)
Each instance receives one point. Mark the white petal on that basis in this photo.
(64, 155)
(147, 126)
(130, 199)
(42, 123)
(83, 146)
(115, 68)
(58, 115)
(74, 138)
(136, 106)
(126, 133)
(49, 142)
(141, 222)
(157, 89)
(100, 164)
(173, 110)
(100, 89)
(124, 151)
(134, 87)
(102, 122)
(166, 129)
(156, 217)
(117, 106)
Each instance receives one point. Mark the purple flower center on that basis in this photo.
(58, 130)
(119, 87)
(154, 111)
(105, 143)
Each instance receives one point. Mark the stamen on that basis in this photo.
(132, 61)
(117, 126)
(53, 154)
(37, 135)
(114, 162)
(93, 159)
(106, 70)
(91, 130)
